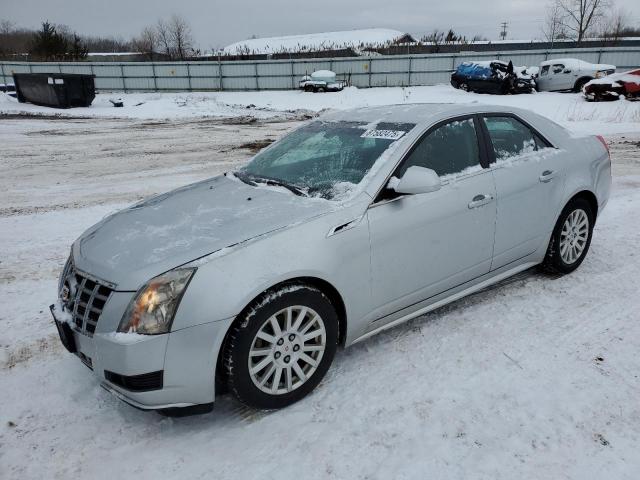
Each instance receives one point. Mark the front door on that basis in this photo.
(424, 244)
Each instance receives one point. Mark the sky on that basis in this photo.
(215, 23)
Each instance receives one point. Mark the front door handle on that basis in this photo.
(480, 200)
(547, 176)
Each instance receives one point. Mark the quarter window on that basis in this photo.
(449, 149)
(558, 68)
(511, 137)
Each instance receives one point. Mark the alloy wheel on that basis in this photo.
(574, 236)
(287, 350)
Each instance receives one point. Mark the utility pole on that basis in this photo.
(503, 32)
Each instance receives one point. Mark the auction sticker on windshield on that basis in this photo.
(386, 134)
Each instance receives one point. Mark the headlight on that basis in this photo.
(152, 310)
(65, 271)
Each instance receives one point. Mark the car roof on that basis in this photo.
(418, 113)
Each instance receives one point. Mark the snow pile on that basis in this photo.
(314, 42)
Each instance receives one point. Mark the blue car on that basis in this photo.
(495, 76)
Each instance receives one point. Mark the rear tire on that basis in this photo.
(270, 359)
(570, 239)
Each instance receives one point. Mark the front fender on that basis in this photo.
(223, 286)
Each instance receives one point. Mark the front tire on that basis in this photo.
(281, 346)
(571, 238)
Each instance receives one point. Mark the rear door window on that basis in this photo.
(511, 138)
(557, 68)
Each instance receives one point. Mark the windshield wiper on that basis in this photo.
(255, 179)
(243, 177)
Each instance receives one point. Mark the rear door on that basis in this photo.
(529, 184)
(424, 244)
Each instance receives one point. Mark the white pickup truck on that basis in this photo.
(569, 74)
(321, 81)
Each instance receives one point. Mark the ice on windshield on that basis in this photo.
(325, 158)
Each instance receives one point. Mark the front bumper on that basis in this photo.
(186, 359)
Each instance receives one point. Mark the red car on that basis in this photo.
(614, 86)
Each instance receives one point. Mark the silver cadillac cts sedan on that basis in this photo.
(351, 224)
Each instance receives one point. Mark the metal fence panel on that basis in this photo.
(239, 69)
(76, 68)
(106, 84)
(168, 83)
(139, 83)
(171, 70)
(398, 70)
(108, 70)
(307, 67)
(240, 83)
(205, 83)
(142, 70)
(389, 79)
(389, 65)
(204, 70)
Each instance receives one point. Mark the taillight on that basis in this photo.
(604, 142)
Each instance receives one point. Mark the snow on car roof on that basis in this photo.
(575, 63)
(314, 41)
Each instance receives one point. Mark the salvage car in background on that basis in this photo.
(349, 225)
(614, 87)
(321, 81)
(493, 76)
(569, 74)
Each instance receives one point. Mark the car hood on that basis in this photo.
(136, 244)
(603, 66)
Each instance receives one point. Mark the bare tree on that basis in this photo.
(147, 42)
(180, 35)
(163, 36)
(580, 17)
(6, 27)
(614, 26)
(553, 27)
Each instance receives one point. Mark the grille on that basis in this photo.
(89, 300)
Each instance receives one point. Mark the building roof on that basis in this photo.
(317, 41)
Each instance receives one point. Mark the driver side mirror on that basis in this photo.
(417, 180)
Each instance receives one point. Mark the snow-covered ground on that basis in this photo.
(569, 109)
(534, 378)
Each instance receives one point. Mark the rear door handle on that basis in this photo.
(480, 200)
(547, 176)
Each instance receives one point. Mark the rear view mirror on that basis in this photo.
(417, 180)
